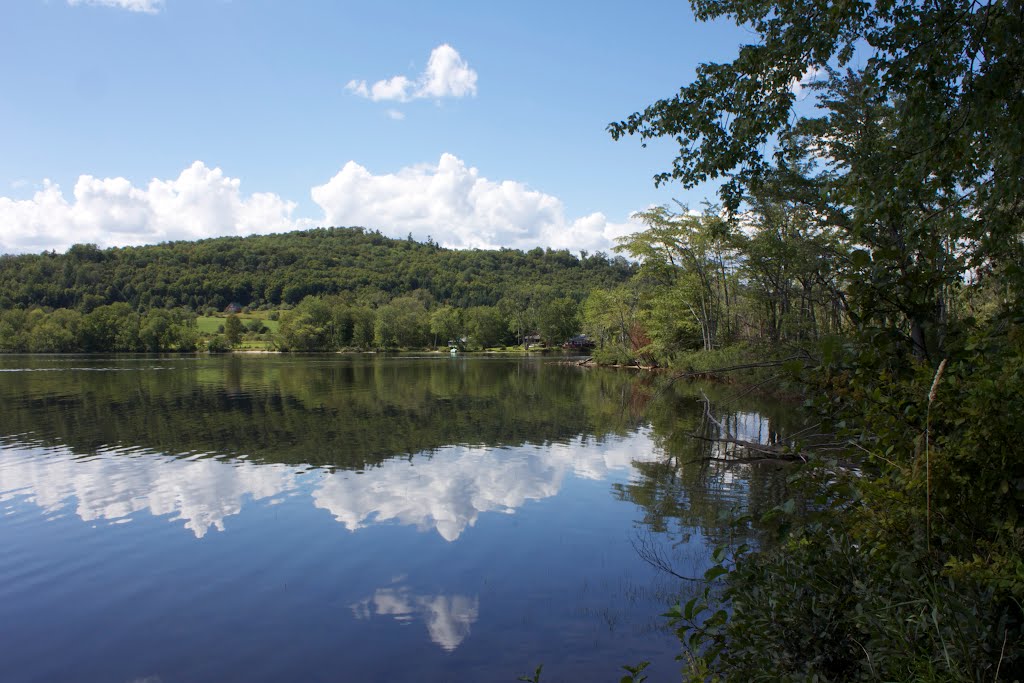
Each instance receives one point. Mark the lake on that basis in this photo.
(344, 517)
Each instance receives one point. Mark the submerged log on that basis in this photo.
(766, 452)
(761, 452)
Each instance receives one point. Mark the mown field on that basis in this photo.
(210, 324)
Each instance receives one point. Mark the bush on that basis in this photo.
(914, 568)
(217, 344)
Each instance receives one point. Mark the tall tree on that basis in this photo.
(233, 330)
(922, 140)
(686, 255)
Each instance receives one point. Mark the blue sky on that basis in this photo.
(137, 121)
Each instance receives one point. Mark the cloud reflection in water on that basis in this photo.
(448, 617)
(444, 491)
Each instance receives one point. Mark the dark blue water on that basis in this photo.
(347, 518)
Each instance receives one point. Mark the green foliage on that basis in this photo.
(275, 270)
(307, 327)
(332, 289)
(217, 344)
(913, 156)
(106, 328)
(233, 330)
(635, 674)
(447, 324)
(485, 326)
(557, 320)
(776, 277)
(686, 256)
(825, 609)
(403, 323)
(893, 214)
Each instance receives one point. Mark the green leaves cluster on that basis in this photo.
(272, 271)
(116, 327)
(889, 208)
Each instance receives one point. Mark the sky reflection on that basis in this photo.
(444, 491)
(448, 618)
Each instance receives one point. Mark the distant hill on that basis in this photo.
(270, 270)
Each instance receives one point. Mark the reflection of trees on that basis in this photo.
(687, 491)
(357, 413)
(347, 413)
(445, 491)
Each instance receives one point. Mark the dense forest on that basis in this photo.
(349, 288)
(271, 270)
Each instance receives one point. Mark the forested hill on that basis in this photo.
(268, 270)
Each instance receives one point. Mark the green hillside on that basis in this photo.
(271, 270)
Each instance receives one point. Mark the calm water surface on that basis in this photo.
(331, 518)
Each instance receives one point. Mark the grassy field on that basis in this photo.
(254, 345)
(208, 324)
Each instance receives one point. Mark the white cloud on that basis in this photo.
(395, 114)
(200, 202)
(447, 75)
(147, 6)
(450, 201)
(445, 493)
(812, 75)
(460, 208)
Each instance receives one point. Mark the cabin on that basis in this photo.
(579, 342)
(233, 308)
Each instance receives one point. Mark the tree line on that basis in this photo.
(271, 271)
(337, 288)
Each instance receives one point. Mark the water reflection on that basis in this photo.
(444, 491)
(448, 490)
(474, 438)
(322, 469)
(448, 618)
(348, 413)
(114, 485)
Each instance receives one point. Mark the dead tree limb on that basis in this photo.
(710, 372)
(767, 451)
(651, 553)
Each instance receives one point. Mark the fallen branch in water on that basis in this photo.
(648, 550)
(767, 451)
(761, 452)
(710, 372)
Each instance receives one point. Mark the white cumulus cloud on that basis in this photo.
(147, 6)
(449, 491)
(201, 202)
(460, 208)
(449, 201)
(447, 75)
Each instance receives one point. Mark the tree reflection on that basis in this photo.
(694, 487)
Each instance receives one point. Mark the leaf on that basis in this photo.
(714, 572)
(690, 609)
